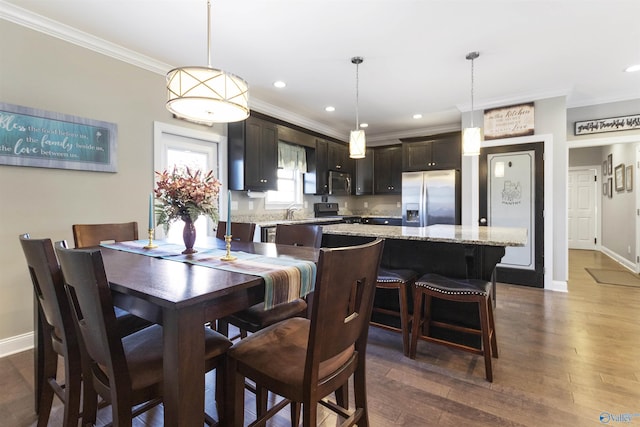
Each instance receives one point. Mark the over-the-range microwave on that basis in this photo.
(339, 183)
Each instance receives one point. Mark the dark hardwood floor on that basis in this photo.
(565, 360)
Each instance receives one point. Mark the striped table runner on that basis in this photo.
(285, 278)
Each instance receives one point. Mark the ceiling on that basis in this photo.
(414, 52)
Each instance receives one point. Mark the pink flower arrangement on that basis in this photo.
(182, 194)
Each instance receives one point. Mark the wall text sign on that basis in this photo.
(38, 138)
(613, 124)
(507, 122)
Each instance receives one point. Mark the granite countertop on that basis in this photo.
(469, 234)
(274, 222)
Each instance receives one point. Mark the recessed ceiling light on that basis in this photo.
(364, 125)
(330, 109)
(417, 116)
(633, 68)
(279, 84)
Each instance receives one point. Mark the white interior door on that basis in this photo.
(582, 209)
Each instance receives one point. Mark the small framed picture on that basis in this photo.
(609, 164)
(628, 179)
(605, 188)
(604, 168)
(620, 177)
(610, 189)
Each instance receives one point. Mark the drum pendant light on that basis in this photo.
(471, 136)
(207, 95)
(357, 142)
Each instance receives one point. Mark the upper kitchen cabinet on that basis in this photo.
(364, 174)
(387, 163)
(432, 152)
(328, 156)
(253, 155)
(338, 158)
(316, 180)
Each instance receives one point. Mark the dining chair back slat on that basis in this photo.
(90, 235)
(241, 231)
(299, 235)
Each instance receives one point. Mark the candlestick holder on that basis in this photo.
(150, 245)
(228, 256)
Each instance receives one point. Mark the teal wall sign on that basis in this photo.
(38, 138)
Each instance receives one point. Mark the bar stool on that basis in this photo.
(402, 280)
(462, 290)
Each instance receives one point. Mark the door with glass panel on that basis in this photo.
(181, 148)
(511, 195)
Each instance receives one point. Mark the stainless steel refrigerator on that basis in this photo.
(430, 197)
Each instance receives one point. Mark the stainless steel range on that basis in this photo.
(325, 209)
(330, 210)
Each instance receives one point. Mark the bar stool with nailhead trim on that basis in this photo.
(402, 280)
(462, 290)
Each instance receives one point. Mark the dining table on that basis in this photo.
(183, 297)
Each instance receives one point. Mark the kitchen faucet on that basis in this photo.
(290, 210)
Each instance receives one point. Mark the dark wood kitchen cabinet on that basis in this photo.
(434, 152)
(387, 166)
(364, 174)
(316, 180)
(338, 158)
(253, 155)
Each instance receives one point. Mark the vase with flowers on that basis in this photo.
(185, 195)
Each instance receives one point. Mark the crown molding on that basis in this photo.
(296, 119)
(28, 19)
(513, 100)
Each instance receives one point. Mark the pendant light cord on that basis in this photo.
(209, 33)
(472, 92)
(357, 94)
(472, 56)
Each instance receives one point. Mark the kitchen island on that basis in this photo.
(451, 250)
(457, 251)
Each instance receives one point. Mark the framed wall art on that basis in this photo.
(620, 177)
(45, 139)
(610, 189)
(605, 188)
(609, 164)
(604, 168)
(628, 179)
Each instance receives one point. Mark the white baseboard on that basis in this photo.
(557, 286)
(16, 344)
(619, 259)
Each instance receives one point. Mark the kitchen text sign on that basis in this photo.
(507, 122)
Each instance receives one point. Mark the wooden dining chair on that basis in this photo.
(256, 317)
(308, 359)
(89, 235)
(58, 334)
(59, 337)
(128, 371)
(299, 235)
(240, 231)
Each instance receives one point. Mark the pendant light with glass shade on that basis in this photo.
(207, 95)
(357, 142)
(471, 136)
